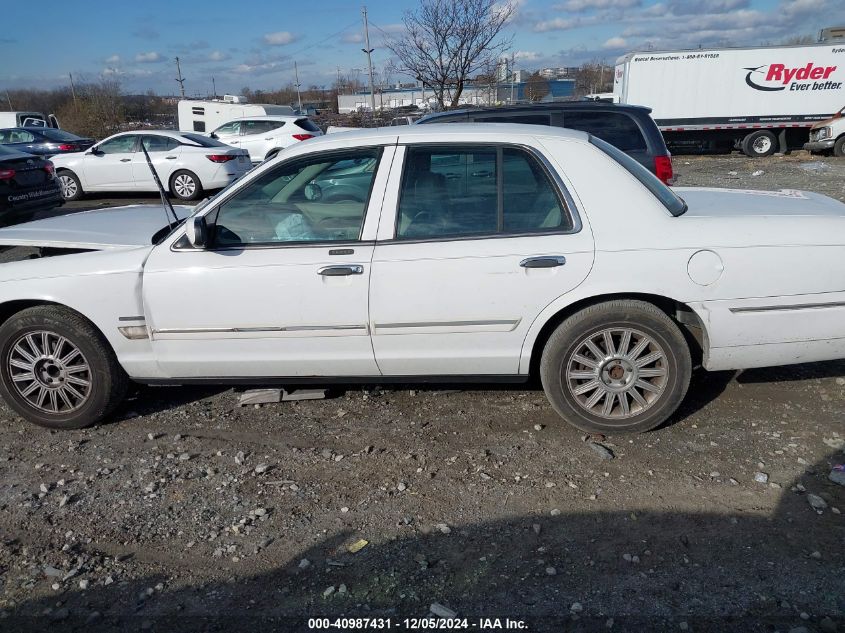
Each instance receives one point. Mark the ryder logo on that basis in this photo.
(776, 77)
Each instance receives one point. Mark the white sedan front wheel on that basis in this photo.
(185, 185)
(57, 370)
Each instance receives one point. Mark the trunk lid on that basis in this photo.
(705, 202)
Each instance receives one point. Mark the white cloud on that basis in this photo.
(113, 60)
(557, 24)
(353, 38)
(578, 6)
(615, 43)
(526, 56)
(218, 56)
(148, 58)
(279, 38)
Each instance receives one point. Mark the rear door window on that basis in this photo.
(159, 143)
(616, 128)
(464, 191)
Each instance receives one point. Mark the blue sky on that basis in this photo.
(255, 43)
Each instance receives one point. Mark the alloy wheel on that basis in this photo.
(184, 185)
(617, 373)
(49, 372)
(69, 187)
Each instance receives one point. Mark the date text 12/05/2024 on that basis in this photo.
(417, 624)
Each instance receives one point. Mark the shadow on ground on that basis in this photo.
(719, 571)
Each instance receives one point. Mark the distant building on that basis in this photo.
(832, 34)
(558, 72)
(473, 95)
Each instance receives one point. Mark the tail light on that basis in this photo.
(50, 169)
(7, 174)
(64, 147)
(663, 168)
(302, 137)
(220, 158)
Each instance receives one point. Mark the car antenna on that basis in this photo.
(164, 199)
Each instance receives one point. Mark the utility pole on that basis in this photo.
(214, 86)
(9, 99)
(72, 89)
(513, 74)
(369, 51)
(179, 78)
(298, 95)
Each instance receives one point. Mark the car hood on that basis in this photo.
(704, 202)
(100, 229)
(826, 122)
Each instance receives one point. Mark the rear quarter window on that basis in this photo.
(308, 125)
(674, 203)
(617, 128)
(202, 141)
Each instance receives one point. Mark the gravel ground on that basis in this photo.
(188, 512)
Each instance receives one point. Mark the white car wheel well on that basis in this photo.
(11, 308)
(689, 322)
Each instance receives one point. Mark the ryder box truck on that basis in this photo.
(759, 100)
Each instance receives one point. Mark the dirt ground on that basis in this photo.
(188, 512)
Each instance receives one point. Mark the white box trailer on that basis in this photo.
(761, 99)
(207, 116)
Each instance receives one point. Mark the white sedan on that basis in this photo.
(187, 165)
(469, 252)
(265, 136)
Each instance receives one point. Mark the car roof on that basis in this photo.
(410, 133)
(525, 107)
(268, 117)
(171, 133)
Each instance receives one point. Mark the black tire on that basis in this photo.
(562, 375)
(107, 380)
(839, 147)
(70, 186)
(185, 185)
(760, 144)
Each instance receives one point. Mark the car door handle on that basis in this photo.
(341, 271)
(268, 138)
(543, 262)
(125, 160)
(170, 157)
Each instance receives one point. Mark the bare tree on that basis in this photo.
(594, 76)
(447, 41)
(536, 87)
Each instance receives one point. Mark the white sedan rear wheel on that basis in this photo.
(185, 185)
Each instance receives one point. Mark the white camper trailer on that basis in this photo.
(205, 116)
(28, 119)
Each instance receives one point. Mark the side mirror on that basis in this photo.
(196, 230)
(213, 135)
(94, 152)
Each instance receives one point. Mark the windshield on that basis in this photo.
(674, 203)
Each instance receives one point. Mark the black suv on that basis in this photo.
(629, 128)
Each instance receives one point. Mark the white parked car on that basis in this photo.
(475, 252)
(265, 136)
(187, 164)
